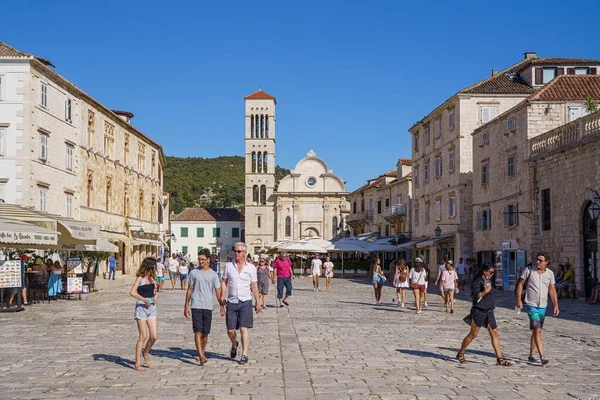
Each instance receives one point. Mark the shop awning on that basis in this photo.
(118, 237)
(408, 245)
(17, 233)
(28, 215)
(147, 242)
(432, 241)
(100, 244)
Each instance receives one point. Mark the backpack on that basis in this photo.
(403, 275)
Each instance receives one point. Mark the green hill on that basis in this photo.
(208, 182)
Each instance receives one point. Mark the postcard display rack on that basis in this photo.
(10, 280)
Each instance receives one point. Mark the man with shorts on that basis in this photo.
(160, 274)
(540, 283)
(240, 283)
(283, 268)
(316, 272)
(173, 268)
(482, 314)
(461, 270)
(202, 284)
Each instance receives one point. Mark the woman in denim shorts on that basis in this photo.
(144, 291)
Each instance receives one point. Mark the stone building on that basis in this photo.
(215, 229)
(383, 204)
(565, 174)
(504, 189)
(443, 151)
(65, 153)
(307, 202)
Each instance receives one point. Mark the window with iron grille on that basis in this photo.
(546, 211)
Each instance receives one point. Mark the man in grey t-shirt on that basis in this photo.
(203, 285)
(540, 283)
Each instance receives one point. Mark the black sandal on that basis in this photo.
(502, 361)
(461, 358)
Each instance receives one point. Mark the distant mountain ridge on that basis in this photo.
(208, 182)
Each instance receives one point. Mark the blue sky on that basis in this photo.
(350, 77)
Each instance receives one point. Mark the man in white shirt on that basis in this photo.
(316, 272)
(240, 283)
(173, 268)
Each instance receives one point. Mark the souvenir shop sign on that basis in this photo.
(10, 274)
(8, 237)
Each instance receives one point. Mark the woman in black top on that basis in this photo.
(144, 291)
(482, 314)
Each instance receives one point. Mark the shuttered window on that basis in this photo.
(488, 113)
(511, 215)
(546, 211)
(451, 161)
(184, 232)
(451, 206)
(438, 210)
(484, 174)
(43, 147)
(199, 232)
(235, 232)
(483, 220)
(512, 166)
(216, 232)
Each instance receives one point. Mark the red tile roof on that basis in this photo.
(506, 82)
(8, 51)
(569, 88)
(405, 161)
(260, 95)
(209, 214)
(127, 114)
(391, 174)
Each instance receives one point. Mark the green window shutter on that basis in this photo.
(235, 232)
(200, 248)
(214, 232)
(218, 232)
(199, 232)
(184, 232)
(184, 249)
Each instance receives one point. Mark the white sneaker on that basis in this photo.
(402, 305)
(425, 304)
(418, 311)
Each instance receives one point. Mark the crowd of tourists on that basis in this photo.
(532, 291)
(244, 286)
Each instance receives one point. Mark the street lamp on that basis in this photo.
(437, 231)
(173, 238)
(594, 208)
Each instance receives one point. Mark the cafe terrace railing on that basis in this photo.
(568, 133)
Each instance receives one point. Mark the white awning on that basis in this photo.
(14, 232)
(100, 245)
(80, 230)
(147, 242)
(408, 245)
(431, 242)
(117, 237)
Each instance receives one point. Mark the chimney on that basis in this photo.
(529, 54)
(494, 72)
(124, 115)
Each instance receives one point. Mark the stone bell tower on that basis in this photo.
(260, 170)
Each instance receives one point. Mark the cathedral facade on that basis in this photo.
(310, 202)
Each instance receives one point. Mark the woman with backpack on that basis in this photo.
(401, 281)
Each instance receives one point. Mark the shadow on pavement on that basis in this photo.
(115, 359)
(420, 353)
(469, 351)
(176, 353)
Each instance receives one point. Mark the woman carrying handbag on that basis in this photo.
(417, 281)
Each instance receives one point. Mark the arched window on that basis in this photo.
(260, 163)
(258, 221)
(90, 189)
(334, 226)
(252, 126)
(265, 156)
(262, 126)
(288, 226)
(253, 161)
(255, 194)
(263, 195)
(266, 126)
(141, 205)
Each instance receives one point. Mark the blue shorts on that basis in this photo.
(536, 316)
(160, 278)
(182, 276)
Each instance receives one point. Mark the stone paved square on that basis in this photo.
(336, 345)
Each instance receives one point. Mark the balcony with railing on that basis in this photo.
(360, 218)
(565, 134)
(395, 213)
